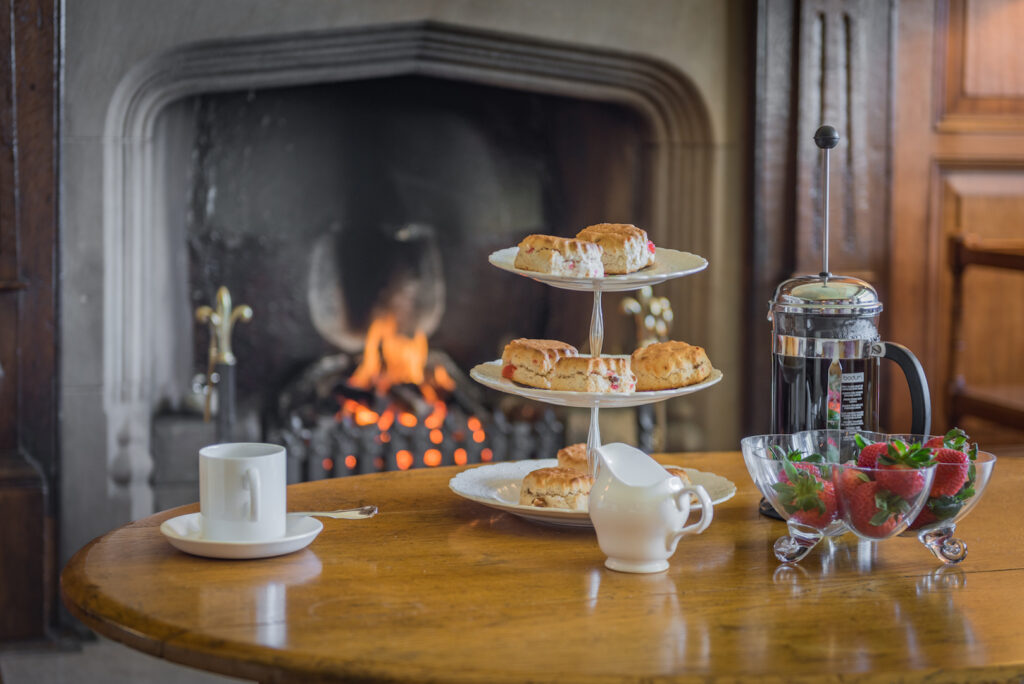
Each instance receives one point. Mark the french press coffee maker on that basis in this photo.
(826, 350)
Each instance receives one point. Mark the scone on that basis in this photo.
(560, 256)
(589, 374)
(531, 362)
(556, 488)
(667, 365)
(625, 248)
(680, 473)
(574, 456)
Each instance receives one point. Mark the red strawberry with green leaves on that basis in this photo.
(951, 472)
(869, 452)
(805, 497)
(900, 468)
(850, 477)
(925, 517)
(873, 511)
(954, 439)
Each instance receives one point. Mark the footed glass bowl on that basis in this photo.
(935, 525)
(811, 480)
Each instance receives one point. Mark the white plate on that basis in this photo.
(489, 374)
(183, 534)
(668, 264)
(497, 485)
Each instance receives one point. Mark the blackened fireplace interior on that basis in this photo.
(329, 207)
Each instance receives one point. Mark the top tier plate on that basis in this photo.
(668, 264)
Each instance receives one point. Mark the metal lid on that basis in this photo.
(825, 296)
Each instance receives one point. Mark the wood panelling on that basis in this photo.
(819, 62)
(986, 204)
(28, 271)
(982, 77)
(960, 172)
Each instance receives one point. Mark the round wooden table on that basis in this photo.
(437, 588)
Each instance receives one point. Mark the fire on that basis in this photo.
(390, 358)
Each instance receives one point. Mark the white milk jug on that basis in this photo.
(640, 511)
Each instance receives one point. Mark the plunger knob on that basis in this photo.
(826, 137)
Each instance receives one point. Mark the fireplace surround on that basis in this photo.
(681, 66)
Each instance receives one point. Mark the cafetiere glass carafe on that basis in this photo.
(826, 356)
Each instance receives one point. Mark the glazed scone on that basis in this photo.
(589, 374)
(574, 456)
(625, 248)
(531, 362)
(556, 488)
(668, 365)
(560, 256)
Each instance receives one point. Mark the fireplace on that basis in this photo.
(163, 239)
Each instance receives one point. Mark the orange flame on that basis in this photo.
(389, 357)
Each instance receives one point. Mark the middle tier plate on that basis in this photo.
(489, 375)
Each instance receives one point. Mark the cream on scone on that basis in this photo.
(589, 374)
(668, 365)
(560, 256)
(625, 248)
(574, 456)
(531, 362)
(556, 488)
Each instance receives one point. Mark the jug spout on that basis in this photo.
(629, 465)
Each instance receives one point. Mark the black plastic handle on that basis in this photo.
(920, 400)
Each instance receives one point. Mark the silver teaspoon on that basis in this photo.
(346, 513)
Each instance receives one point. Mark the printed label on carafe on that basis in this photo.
(852, 401)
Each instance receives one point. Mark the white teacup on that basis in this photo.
(242, 492)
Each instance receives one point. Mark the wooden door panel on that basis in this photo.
(987, 204)
(982, 77)
(958, 167)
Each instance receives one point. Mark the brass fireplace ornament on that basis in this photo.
(221, 365)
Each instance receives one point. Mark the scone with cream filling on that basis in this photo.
(531, 362)
(560, 256)
(625, 248)
(556, 488)
(590, 374)
(668, 365)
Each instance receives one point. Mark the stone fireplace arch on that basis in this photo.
(678, 177)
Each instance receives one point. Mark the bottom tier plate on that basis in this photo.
(497, 486)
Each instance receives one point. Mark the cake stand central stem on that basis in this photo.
(596, 341)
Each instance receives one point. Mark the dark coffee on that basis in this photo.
(800, 394)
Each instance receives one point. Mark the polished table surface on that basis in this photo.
(437, 588)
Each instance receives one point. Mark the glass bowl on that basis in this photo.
(936, 523)
(811, 480)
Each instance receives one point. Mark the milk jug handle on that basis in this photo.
(707, 509)
(920, 400)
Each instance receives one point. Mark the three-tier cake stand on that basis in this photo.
(669, 264)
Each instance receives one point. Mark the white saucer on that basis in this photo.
(183, 534)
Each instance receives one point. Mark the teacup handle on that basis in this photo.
(706, 507)
(251, 481)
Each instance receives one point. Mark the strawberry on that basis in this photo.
(954, 439)
(850, 477)
(817, 517)
(804, 496)
(900, 468)
(872, 511)
(950, 473)
(925, 517)
(869, 453)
